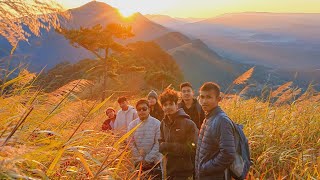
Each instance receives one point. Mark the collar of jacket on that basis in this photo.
(145, 119)
(182, 104)
(213, 112)
(175, 116)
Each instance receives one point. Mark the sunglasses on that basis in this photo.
(143, 109)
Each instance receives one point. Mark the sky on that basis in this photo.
(204, 8)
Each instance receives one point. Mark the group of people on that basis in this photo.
(191, 138)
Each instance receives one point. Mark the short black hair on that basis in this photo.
(169, 95)
(142, 101)
(185, 84)
(122, 99)
(208, 86)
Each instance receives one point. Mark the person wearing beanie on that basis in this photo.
(155, 108)
(108, 124)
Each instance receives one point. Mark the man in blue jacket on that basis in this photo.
(216, 142)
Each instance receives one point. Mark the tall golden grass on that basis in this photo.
(58, 136)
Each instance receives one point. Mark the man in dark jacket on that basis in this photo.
(216, 141)
(178, 136)
(191, 105)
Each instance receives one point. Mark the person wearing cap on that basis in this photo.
(125, 115)
(155, 108)
(108, 124)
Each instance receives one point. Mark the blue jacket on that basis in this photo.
(215, 147)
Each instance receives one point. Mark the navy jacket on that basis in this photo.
(215, 147)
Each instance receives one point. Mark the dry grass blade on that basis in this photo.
(20, 122)
(74, 86)
(288, 95)
(244, 77)
(84, 163)
(245, 90)
(55, 161)
(103, 168)
(281, 89)
(74, 132)
(125, 136)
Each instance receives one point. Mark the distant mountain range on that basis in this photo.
(285, 42)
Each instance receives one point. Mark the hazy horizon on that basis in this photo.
(203, 8)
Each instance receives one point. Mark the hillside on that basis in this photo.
(52, 48)
(145, 66)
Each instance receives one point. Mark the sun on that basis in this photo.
(126, 12)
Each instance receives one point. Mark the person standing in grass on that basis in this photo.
(216, 142)
(144, 143)
(125, 115)
(190, 104)
(155, 108)
(108, 124)
(178, 136)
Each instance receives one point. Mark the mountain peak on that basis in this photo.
(95, 6)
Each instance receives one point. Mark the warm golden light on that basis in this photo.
(204, 8)
(126, 12)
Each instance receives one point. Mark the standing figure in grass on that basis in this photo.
(125, 115)
(190, 104)
(155, 108)
(108, 124)
(178, 136)
(145, 139)
(216, 142)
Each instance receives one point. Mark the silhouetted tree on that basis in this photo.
(97, 39)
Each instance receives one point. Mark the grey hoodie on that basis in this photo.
(124, 118)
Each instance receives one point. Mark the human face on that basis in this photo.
(124, 105)
(110, 114)
(187, 93)
(209, 100)
(152, 101)
(143, 111)
(170, 107)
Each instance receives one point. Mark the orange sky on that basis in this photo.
(205, 8)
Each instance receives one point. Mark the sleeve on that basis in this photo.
(152, 156)
(134, 149)
(135, 114)
(227, 149)
(179, 149)
(116, 122)
(161, 139)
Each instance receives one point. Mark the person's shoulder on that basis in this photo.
(134, 122)
(188, 122)
(224, 120)
(155, 120)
